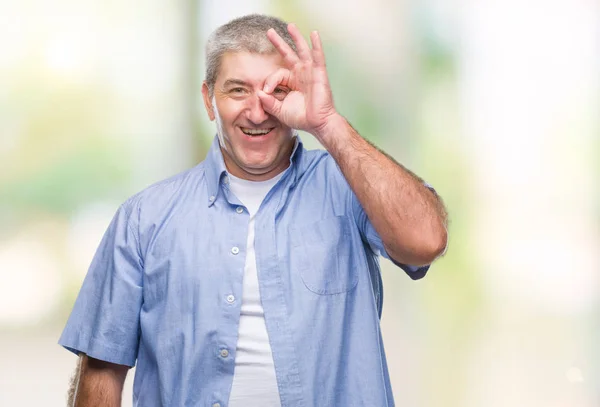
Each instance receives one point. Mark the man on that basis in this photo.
(253, 278)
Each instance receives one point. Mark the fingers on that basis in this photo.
(318, 56)
(280, 76)
(288, 54)
(270, 103)
(304, 53)
(301, 44)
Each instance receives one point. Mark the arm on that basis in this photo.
(104, 322)
(97, 383)
(409, 217)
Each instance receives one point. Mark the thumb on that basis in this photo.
(270, 103)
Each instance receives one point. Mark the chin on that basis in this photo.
(258, 167)
(259, 157)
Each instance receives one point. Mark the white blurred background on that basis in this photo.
(495, 103)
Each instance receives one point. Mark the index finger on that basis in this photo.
(288, 54)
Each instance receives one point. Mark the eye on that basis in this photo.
(237, 90)
(281, 91)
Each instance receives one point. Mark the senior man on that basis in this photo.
(253, 279)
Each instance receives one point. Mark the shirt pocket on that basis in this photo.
(324, 257)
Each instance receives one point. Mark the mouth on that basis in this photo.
(256, 132)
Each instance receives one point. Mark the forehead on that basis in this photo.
(248, 67)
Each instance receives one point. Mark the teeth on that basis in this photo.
(255, 132)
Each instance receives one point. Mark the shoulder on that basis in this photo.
(318, 171)
(317, 161)
(183, 186)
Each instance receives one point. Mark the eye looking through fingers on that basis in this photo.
(280, 92)
(279, 78)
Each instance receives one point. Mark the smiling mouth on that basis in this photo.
(255, 132)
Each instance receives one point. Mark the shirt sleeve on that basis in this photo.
(104, 322)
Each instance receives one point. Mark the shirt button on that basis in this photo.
(224, 353)
(216, 405)
(239, 209)
(235, 250)
(212, 198)
(230, 298)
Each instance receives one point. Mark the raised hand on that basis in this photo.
(309, 104)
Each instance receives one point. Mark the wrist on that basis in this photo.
(330, 130)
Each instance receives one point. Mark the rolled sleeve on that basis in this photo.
(104, 322)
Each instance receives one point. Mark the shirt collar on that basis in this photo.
(215, 166)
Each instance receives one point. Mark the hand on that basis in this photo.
(309, 104)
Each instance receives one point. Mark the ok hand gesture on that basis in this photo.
(309, 104)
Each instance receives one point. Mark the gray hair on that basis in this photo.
(247, 33)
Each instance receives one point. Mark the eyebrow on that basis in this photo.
(239, 82)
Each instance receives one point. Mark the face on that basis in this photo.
(255, 145)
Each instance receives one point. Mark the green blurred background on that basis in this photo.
(495, 103)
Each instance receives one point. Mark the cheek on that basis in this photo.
(230, 111)
(223, 112)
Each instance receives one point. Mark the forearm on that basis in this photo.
(409, 217)
(97, 383)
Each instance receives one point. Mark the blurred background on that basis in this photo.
(495, 103)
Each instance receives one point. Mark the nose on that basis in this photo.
(254, 110)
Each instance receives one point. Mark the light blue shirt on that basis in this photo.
(165, 288)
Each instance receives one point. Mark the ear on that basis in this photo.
(207, 102)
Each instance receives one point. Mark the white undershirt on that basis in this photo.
(254, 381)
